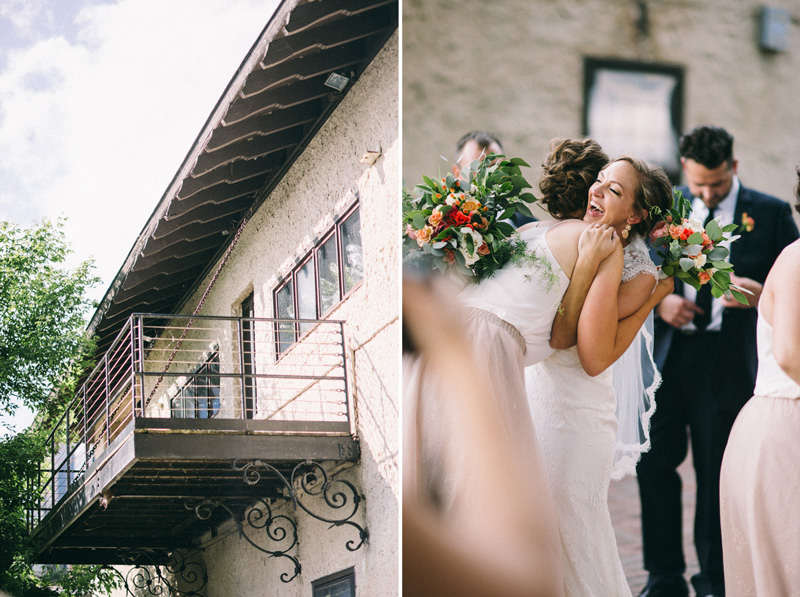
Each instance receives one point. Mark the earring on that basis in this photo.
(626, 231)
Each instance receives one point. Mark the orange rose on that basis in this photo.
(471, 205)
(484, 249)
(675, 231)
(435, 218)
(424, 235)
(704, 277)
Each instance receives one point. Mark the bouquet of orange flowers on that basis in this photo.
(694, 253)
(458, 226)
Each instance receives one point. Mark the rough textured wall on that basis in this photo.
(321, 185)
(516, 67)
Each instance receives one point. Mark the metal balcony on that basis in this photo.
(160, 421)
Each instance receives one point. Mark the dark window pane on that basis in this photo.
(328, 275)
(352, 255)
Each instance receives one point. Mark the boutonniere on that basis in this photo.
(748, 223)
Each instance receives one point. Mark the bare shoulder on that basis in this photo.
(784, 276)
(788, 262)
(567, 230)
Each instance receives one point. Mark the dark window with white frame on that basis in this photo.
(333, 268)
(198, 398)
(635, 108)
(341, 584)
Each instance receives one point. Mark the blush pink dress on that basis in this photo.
(760, 485)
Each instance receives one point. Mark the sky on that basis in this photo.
(100, 101)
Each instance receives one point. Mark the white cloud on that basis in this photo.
(95, 128)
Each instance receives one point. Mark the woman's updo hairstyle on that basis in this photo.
(654, 190)
(568, 172)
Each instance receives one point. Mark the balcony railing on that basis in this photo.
(198, 374)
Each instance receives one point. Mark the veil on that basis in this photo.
(636, 379)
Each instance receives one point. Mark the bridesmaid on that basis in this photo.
(760, 479)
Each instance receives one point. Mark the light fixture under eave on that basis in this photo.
(337, 81)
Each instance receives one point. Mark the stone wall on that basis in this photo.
(516, 67)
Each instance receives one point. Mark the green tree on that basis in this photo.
(43, 349)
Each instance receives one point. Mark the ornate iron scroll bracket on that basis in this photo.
(162, 574)
(340, 497)
(278, 529)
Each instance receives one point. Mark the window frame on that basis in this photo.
(321, 312)
(324, 582)
(593, 67)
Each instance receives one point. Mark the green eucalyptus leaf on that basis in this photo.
(718, 253)
(686, 264)
(695, 239)
(713, 231)
(721, 264)
(420, 221)
(693, 249)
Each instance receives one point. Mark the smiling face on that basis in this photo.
(611, 197)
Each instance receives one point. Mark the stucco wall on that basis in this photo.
(321, 185)
(516, 67)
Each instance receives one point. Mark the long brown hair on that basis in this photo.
(653, 190)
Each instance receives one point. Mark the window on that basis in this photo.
(198, 398)
(333, 268)
(341, 584)
(635, 108)
(249, 356)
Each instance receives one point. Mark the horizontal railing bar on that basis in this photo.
(231, 318)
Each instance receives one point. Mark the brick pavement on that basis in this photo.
(623, 502)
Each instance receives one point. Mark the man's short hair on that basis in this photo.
(483, 138)
(708, 146)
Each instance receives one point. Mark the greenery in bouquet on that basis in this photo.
(693, 253)
(459, 226)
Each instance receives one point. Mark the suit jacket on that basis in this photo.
(752, 256)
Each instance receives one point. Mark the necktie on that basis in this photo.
(704, 294)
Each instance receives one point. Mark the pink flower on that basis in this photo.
(436, 217)
(676, 231)
(659, 230)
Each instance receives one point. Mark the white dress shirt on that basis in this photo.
(723, 215)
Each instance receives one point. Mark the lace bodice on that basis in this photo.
(637, 260)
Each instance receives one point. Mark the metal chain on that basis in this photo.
(197, 309)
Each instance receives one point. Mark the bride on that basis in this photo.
(572, 393)
(508, 319)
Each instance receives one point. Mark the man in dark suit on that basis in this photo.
(705, 349)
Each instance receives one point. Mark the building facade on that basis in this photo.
(239, 435)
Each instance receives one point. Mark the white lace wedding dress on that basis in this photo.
(575, 420)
